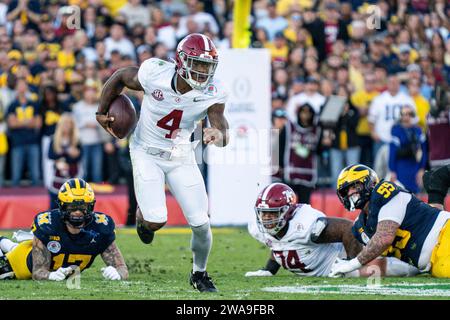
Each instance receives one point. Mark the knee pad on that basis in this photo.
(201, 228)
(198, 220)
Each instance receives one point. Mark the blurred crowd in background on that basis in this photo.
(391, 64)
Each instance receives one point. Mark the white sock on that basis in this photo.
(7, 245)
(201, 243)
(398, 268)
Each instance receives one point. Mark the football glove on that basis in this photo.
(110, 273)
(60, 274)
(341, 267)
(259, 273)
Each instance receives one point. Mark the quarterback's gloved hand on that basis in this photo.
(340, 267)
(259, 273)
(60, 274)
(110, 273)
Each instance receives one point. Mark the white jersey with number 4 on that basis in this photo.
(296, 251)
(167, 117)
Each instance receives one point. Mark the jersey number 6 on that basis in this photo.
(175, 118)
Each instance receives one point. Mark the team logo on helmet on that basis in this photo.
(158, 95)
(290, 196)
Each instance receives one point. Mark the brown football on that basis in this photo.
(124, 114)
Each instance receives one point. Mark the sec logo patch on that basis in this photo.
(54, 246)
(158, 95)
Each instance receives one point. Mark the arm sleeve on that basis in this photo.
(358, 228)
(395, 209)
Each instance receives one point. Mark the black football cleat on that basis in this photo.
(202, 282)
(144, 234)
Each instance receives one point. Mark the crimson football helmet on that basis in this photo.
(274, 207)
(196, 60)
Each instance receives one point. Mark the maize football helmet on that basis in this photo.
(363, 178)
(76, 194)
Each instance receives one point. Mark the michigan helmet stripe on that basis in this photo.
(358, 168)
(77, 183)
(67, 185)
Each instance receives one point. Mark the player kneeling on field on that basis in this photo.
(394, 222)
(306, 242)
(65, 239)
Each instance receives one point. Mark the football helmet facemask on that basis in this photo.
(196, 60)
(363, 179)
(76, 194)
(274, 207)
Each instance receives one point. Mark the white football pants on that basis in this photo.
(183, 178)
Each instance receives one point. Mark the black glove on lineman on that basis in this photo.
(436, 182)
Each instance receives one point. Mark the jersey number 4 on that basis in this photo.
(171, 122)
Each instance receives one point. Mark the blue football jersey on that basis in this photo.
(70, 249)
(414, 229)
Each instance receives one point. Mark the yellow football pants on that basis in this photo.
(17, 258)
(440, 257)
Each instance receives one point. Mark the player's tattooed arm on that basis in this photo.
(113, 257)
(124, 77)
(42, 259)
(381, 240)
(218, 133)
(339, 230)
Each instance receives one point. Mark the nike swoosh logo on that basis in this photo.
(198, 99)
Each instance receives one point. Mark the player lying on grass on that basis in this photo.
(65, 239)
(306, 242)
(393, 222)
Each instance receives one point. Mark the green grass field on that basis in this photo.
(160, 271)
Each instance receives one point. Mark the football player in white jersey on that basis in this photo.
(306, 242)
(176, 97)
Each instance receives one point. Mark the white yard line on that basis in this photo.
(391, 289)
